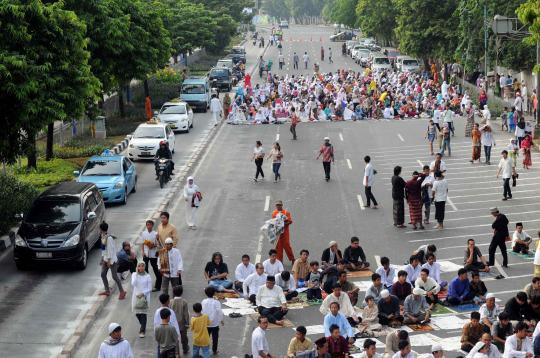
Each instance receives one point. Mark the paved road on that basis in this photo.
(234, 207)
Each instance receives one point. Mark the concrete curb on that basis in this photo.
(119, 148)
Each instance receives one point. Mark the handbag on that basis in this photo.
(141, 303)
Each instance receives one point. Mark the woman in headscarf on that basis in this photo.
(476, 143)
(193, 197)
(140, 296)
(526, 145)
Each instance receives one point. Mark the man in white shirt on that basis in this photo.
(439, 195)
(149, 243)
(253, 282)
(492, 352)
(272, 266)
(489, 312)
(170, 265)
(413, 269)
(243, 270)
(430, 288)
(434, 269)
(345, 305)
(518, 345)
(271, 302)
(164, 299)
(521, 240)
(506, 168)
(404, 350)
(215, 108)
(287, 283)
(212, 308)
(259, 343)
(369, 178)
(115, 346)
(448, 116)
(442, 166)
(387, 272)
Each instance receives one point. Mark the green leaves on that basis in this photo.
(377, 19)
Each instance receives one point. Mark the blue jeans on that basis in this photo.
(205, 351)
(446, 145)
(220, 285)
(275, 169)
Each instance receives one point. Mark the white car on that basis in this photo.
(409, 65)
(361, 56)
(177, 114)
(357, 48)
(145, 140)
(380, 63)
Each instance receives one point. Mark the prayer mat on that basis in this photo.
(420, 327)
(442, 295)
(224, 295)
(297, 305)
(529, 256)
(441, 310)
(303, 296)
(468, 307)
(359, 274)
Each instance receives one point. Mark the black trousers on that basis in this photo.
(124, 266)
(293, 131)
(153, 262)
(507, 192)
(439, 211)
(258, 164)
(142, 321)
(214, 332)
(290, 295)
(273, 313)
(369, 196)
(497, 241)
(326, 166)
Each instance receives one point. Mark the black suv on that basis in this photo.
(62, 225)
(220, 78)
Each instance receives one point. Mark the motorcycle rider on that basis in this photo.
(164, 152)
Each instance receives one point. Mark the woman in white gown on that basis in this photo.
(142, 287)
(192, 201)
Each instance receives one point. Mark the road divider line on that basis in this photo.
(400, 137)
(349, 164)
(377, 260)
(501, 270)
(277, 137)
(420, 162)
(259, 249)
(341, 137)
(361, 202)
(267, 203)
(451, 203)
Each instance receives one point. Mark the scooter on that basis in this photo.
(163, 165)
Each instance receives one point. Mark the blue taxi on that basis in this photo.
(114, 175)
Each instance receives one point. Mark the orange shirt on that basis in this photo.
(287, 222)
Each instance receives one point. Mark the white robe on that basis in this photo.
(120, 350)
(191, 211)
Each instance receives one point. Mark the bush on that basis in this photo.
(47, 174)
(76, 152)
(15, 197)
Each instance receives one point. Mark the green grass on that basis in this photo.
(47, 174)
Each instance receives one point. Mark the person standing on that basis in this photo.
(330, 55)
(426, 186)
(180, 308)
(305, 58)
(413, 193)
(487, 141)
(109, 261)
(476, 143)
(170, 265)
(212, 308)
(322, 54)
(216, 108)
(192, 197)
(294, 122)
(140, 296)
(526, 145)
(448, 117)
(165, 230)
(506, 167)
(150, 243)
(115, 346)
(500, 233)
(327, 153)
(281, 60)
(166, 336)
(277, 155)
(258, 158)
(446, 140)
(296, 60)
(199, 329)
(439, 196)
(259, 343)
(398, 196)
(284, 241)
(431, 133)
(369, 179)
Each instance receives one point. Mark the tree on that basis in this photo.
(225, 29)
(233, 8)
(529, 14)
(377, 19)
(44, 72)
(300, 9)
(345, 12)
(277, 9)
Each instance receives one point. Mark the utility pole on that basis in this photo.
(485, 40)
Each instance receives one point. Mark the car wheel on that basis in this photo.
(21, 266)
(205, 109)
(81, 264)
(124, 200)
(191, 125)
(187, 130)
(134, 190)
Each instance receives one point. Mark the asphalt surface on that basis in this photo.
(234, 208)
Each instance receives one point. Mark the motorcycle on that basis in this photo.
(163, 165)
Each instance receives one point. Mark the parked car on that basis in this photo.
(284, 24)
(62, 225)
(407, 64)
(392, 54)
(349, 45)
(361, 56)
(380, 62)
(342, 36)
(196, 92)
(221, 78)
(114, 175)
(238, 54)
(145, 140)
(177, 114)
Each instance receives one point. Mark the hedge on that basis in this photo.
(48, 173)
(15, 197)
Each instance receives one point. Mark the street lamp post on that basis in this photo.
(537, 124)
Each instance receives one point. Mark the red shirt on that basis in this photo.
(294, 119)
(327, 152)
(337, 347)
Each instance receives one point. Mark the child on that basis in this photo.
(313, 280)
(166, 336)
(370, 317)
(478, 288)
(212, 308)
(199, 328)
(504, 119)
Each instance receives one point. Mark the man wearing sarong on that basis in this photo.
(283, 243)
(413, 193)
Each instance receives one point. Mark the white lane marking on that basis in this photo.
(400, 137)
(267, 203)
(510, 277)
(451, 203)
(349, 164)
(341, 137)
(378, 260)
(464, 227)
(501, 270)
(419, 162)
(277, 137)
(495, 200)
(459, 237)
(259, 249)
(361, 202)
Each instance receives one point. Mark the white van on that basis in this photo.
(409, 64)
(380, 63)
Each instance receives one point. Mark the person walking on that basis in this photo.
(281, 60)
(330, 55)
(115, 346)
(150, 245)
(296, 60)
(305, 58)
(398, 196)
(180, 308)
(212, 308)
(277, 155)
(216, 108)
(505, 170)
(413, 193)
(170, 265)
(446, 140)
(439, 196)
(369, 179)
(109, 261)
(166, 336)
(448, 117)
(487, 141)
(427, 186)
(284, 241)
(327, 153)
(322, 54)
(141, 283)
(526, 145)
(258, 158)
(476, 137)
(294, 122)
(192, 197)
(431, 133)
(500, 234)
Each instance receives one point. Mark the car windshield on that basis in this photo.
(238, 50)
(101, 168)
(54, 211)
(381, 61)
(149, 132)
(219, 73)
(193, 89)
(410, 62)
(180, 109)
(393, 53)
